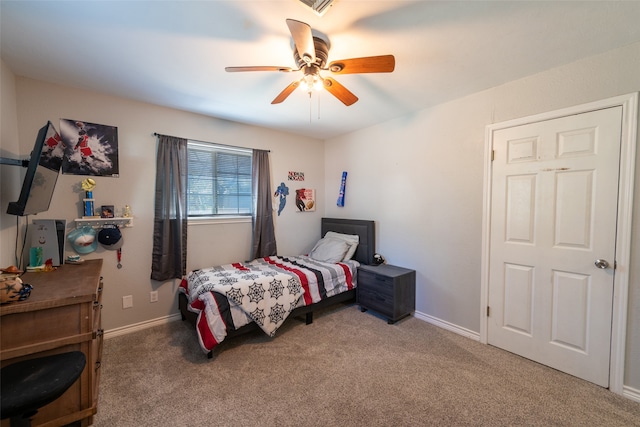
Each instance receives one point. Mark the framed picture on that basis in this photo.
(306, 199)
(106, 211)
(90, 148)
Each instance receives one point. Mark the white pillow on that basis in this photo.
(329, 250)
(350, 239)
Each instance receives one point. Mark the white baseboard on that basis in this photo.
(448, 326)
(631, 393)
(140, 326)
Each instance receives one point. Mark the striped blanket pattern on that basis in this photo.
(263, 291)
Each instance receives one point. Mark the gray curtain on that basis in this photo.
(169, 257)
(264, 237)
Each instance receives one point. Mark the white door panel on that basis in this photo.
(553, 213)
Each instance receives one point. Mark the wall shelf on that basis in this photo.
(101, 222)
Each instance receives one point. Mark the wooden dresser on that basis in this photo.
(62, 314)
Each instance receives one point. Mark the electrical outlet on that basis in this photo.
(153, 296)
(127, 301)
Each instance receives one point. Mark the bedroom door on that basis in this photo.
(552, 241)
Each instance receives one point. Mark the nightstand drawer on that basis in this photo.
(375, 282)
(376, 301)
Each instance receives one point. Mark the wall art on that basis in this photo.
(90, 148)
(306, 200)
(296, 176)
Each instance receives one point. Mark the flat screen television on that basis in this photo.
(42, 174)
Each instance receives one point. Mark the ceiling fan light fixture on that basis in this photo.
(320, 7)
(311, 82)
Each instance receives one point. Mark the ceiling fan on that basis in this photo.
(311, 55)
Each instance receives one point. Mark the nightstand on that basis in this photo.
(388, 290)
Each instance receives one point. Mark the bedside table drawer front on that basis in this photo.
(376, 283)
(375, 301)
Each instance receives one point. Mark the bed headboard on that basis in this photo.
(363, 228)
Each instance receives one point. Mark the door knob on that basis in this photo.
(602, 263)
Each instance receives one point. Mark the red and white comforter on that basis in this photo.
(264, 291)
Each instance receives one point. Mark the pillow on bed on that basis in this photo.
(350, 239)
(329, 250)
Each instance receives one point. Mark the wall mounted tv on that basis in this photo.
(42, 174)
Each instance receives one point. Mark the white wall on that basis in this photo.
(209, 244)
(420, 177)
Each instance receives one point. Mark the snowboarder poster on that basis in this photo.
(90, 149)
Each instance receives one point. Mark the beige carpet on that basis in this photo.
(346, 369)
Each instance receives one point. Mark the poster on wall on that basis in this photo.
(295, 176)
(90, 149)
(280, 197)
(306, 200)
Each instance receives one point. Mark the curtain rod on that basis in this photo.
(208, 142)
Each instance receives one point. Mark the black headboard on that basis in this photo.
(363, 228)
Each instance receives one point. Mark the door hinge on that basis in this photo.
(488, 311)
(493, 155)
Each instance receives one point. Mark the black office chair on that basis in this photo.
(29, 385)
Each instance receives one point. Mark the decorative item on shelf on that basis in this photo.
(107, 211)
(126, 211)
(88, 185)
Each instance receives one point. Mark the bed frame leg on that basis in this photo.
(309, 318)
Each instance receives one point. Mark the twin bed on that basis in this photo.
(228, 300)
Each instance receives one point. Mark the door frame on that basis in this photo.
(629, 104)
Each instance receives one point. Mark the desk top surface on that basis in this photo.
(68, 284)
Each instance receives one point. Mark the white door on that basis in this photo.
(553, 216)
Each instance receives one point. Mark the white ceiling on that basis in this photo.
(173, 53)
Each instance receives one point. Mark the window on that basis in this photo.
(219, 181)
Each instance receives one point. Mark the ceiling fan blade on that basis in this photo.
(258, 68)
(339, 91)
(286, 92)
(303, 38)
(369, 64)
